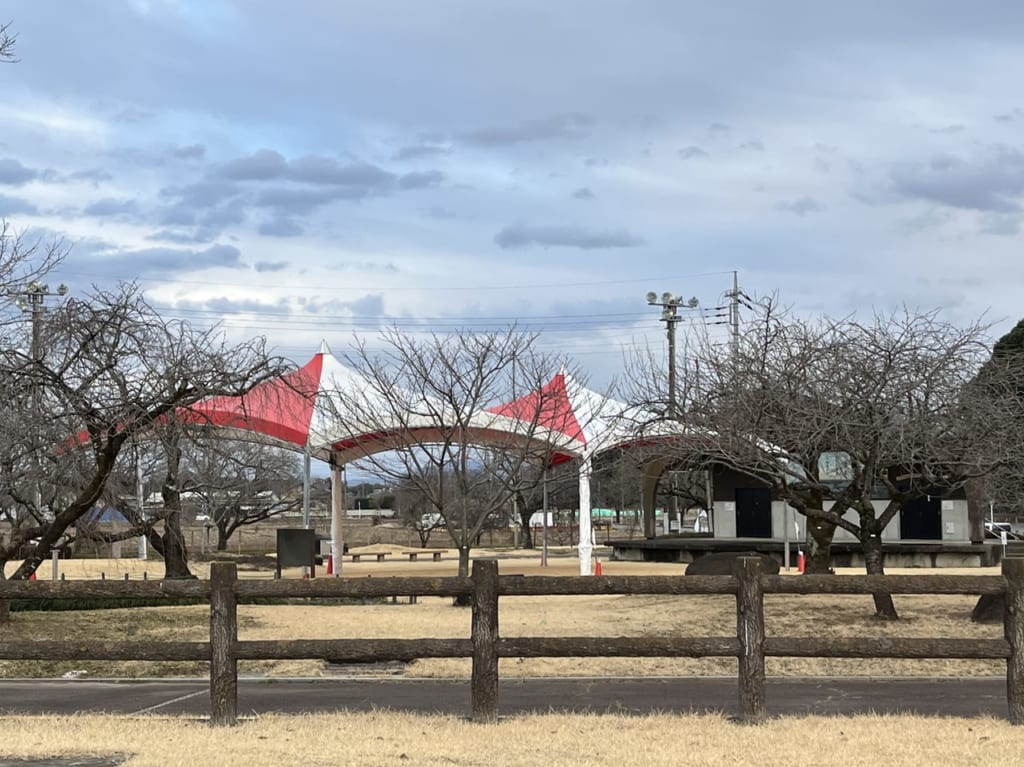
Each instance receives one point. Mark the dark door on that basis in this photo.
(753, 512)
(921, 519)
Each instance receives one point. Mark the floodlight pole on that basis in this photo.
(670, 304)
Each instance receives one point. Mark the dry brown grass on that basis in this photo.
(630, 616)
(383, 738)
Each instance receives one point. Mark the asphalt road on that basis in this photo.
(785, 696)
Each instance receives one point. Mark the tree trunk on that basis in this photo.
(463, 600)
(524, 522)
(222, 538)
(174, 550)
(871, 541)
(819, 546)
(172, 544)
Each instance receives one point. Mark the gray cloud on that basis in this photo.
(583, 193)
(524, 236)
(10, 206)
(440, 212)
(1001, 224)
(948, 129)
(190, 152)
(260, 166)
(569, 126)
(692, 152)
(95, 175)
(14, 173)
(182, 238)
(315, 169)
(418, 151)
(111, 207)
(281, 226)
(718, 128)
(157, 262)
(270, 266)
(994, 182)
(752, 146)
(800, 206)
(421, 179)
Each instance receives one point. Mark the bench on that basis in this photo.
(381, 555)
(435, 554)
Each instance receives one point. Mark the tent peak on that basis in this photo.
(324, 348)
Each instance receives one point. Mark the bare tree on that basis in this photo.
(415, 511)
(240, 483)
(107, 368)
(835, 414)
(421, 415)
(8, 39)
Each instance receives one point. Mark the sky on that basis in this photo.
(315, 170)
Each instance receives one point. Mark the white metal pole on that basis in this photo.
(544, 547)
(586, 546)
(785, 536)
(337, 510)
(305, 487)
(143, 543)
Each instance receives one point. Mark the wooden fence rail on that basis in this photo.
(485, 646)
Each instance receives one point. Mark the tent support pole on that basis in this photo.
(544, 546)
(586, 546)
(305, 487)
(337, 510)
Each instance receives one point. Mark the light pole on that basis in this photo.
(670, 304)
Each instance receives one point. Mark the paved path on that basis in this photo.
(785, 696)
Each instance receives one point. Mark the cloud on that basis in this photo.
(583, 193)
(1001, 224)
(95, 175)
(421, 179)
(752, 146)
(718, 129)
(13, 173)
(111, 207)
(418, 151)
(993, 182)
(281, 226)
(440, 212)
(190, 152)
(569, 126)
(10, 206)
(270, 266)
(948, 129)
(259, 166)
(162, 262)
(800, 206)
(199, 235)
(524, 236)
(692, 152)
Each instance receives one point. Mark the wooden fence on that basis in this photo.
(485, 646)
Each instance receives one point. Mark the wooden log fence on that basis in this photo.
(224, 592)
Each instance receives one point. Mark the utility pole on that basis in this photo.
(670, 316)
(734, 313)
(33, 300)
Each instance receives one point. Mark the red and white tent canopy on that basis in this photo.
(294, 408)
(590, 420)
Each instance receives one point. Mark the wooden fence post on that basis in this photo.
(223, 636)
(484, 635)
(1013, 622)
(750, 631)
